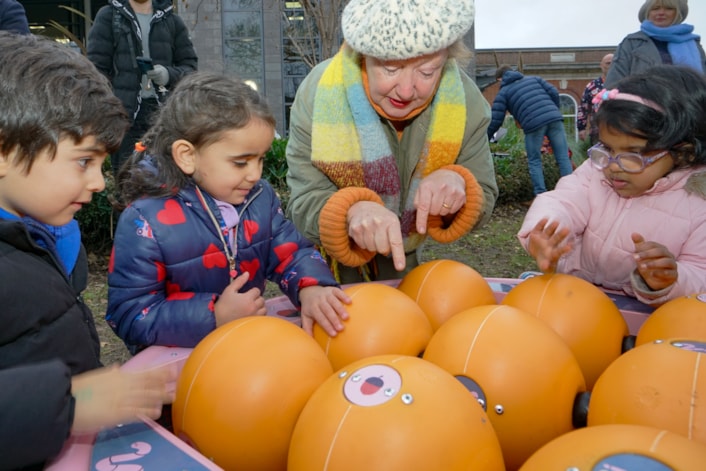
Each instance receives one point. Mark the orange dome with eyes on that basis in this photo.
(619, 446)
(580, 312)
(443, 288)
(393, 412)
(520, 370)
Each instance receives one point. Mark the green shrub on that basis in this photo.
(512, 170)
(275, 169)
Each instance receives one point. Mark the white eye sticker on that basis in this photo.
(372, 385)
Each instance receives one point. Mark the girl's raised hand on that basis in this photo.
(547, 243)
(655, 264)
(232, 304)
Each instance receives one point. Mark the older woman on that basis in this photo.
(387, 141)
(663, 39)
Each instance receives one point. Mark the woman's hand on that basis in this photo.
(547, 243)
(441, 193)
(655, 264)
(375, 228)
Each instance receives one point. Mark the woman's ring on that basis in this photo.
(445, 205)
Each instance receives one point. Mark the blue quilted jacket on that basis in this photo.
(533, 102)
(168, 264)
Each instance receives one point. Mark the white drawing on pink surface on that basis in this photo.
(113, 463)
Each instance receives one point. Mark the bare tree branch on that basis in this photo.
(315, 36)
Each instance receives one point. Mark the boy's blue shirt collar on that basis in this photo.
(7, 215)
(64, 241)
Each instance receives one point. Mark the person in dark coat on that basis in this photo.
(125, 37)
(534, 103)
(663, 38)
(53, 141)
(13, 17)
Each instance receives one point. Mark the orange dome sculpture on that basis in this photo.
(383, 320)
(518, 367)
(620, 447)
(680, 317)
(443, 288)
(242, 388)
(660, 384)
(393, 412)
(581, 313)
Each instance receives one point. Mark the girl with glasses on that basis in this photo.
(632, 217)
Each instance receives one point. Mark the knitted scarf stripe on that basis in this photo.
(349, 143)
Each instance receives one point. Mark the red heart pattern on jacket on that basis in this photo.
(111, 261)
(174, 293)
(250, 227)
(250, 266)
(285, 253)
(214, 258)
(161, 271)
(172, 214)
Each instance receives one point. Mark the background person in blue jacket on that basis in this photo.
(534, 103)
(13, 17)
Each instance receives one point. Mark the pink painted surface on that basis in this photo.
(76, 455)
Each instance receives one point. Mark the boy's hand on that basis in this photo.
(655, 264)
(110, 396)
(232, 304)
(325, 306)
(547, 245)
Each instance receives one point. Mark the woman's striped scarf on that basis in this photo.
(350, 146)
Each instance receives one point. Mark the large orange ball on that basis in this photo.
(683, 317)
(580, 312)
(659, 384)
(382, 321)
(518, 367)
(443, 288)
(393, 412)
(619, 447)
(242, 389)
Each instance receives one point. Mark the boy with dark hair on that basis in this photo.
(58, 121)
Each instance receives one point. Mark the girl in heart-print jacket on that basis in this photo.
(168, 265)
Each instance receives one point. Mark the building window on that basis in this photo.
(569, 108)
(297, 40)
(243, 53)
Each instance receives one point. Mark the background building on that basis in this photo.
(270, 44)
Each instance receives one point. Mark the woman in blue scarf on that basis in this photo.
(663, 39)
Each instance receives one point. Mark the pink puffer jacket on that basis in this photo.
(672, 213)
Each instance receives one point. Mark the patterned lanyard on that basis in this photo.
(221, 229)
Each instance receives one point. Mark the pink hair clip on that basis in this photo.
(615, 94)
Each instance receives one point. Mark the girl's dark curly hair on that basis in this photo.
(200, 108)
(680, 126)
